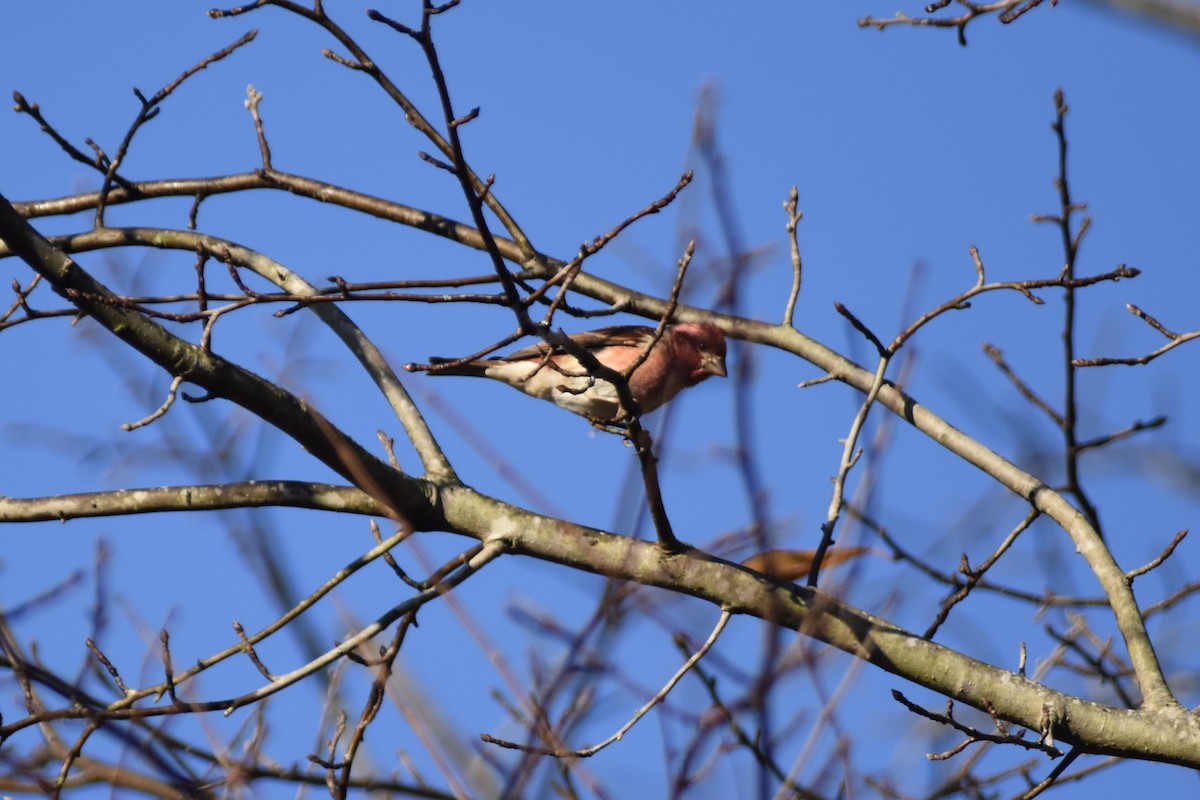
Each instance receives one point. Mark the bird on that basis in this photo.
(686, 354)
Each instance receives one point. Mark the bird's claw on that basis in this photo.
(618, 427)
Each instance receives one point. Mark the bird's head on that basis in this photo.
(702, 346)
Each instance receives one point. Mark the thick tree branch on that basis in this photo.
(1170, 733)
(249, 494)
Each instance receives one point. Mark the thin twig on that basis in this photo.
(997, 357)
(1006, 10)
(794, 216)
(973, 734)
(1159, 559)
(253, 99)
(975, 575)
(1175, 339)
(658, 697)
(149, 110)
(849, 458)
(1070, 243)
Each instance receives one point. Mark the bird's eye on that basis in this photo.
(703, 347)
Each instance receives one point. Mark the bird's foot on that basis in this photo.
(617, 427)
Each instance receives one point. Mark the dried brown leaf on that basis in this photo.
(788, 565)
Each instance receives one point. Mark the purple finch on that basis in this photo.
(686, 354)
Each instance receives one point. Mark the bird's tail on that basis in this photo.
(472, 369)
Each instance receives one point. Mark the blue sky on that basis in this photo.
(906, 149)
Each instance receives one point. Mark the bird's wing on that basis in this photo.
(635, 335)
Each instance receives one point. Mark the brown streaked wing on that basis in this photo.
(590, 340)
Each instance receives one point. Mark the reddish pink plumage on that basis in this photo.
(685, 355)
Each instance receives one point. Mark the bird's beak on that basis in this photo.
(713, 364)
